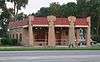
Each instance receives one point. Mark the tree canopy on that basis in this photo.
(8, 13)
(18, 4)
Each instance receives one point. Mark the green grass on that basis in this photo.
(44, 49)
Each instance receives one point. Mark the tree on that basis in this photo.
(91, 8)
(7, 14)
(4, 18)
(21, 16)
(83, 8)
(69, 9)
(58, 10)
(95, 13)
(18, 4)
(43, 12)
(55, 9)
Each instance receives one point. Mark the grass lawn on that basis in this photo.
(42, 49)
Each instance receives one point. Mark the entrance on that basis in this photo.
(40, 35)
(61, 36)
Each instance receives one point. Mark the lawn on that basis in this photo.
(42, 49)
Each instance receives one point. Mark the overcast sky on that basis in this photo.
(35, 5)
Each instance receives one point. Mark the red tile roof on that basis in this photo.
(61, 21)
(40, 21)
(44, 21)
(81, 21)
(16, 24)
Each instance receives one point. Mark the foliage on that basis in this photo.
(18, 4)
(21, 16)
(7, 14)
(58, 10)
(43, 12)
(55, 9)
(96, 45)
(9, 42)
(69, 9)
(4, 18)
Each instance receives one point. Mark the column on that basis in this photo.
(88, 35)
(72, 31)
(51, 32)
(31, 38)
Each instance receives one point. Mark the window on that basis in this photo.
(20, 37)
(13, 36)
(16, 36)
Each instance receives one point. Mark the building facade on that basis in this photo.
(51, 31)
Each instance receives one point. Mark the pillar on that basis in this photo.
(51, 32)
(88, 34)
(31, 37)
(72, 31)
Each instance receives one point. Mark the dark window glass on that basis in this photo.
(20, 36)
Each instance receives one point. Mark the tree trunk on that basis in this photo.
(17, 11)
(14, 8)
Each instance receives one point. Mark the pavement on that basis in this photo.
(50, 56)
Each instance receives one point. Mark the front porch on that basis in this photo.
(40, 35)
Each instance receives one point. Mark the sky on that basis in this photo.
(34, 5)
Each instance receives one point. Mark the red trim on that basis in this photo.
(44, 21)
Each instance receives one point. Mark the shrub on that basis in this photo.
(9, 42)
(96, 45)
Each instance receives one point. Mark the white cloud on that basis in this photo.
(35, 5)
(9, 5)
(62, 1)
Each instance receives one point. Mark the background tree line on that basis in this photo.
(83, 8)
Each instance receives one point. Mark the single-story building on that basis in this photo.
(51, 31)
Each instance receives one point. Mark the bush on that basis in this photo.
(96, 45)
(9, 42)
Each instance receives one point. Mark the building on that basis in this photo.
(51, 31)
